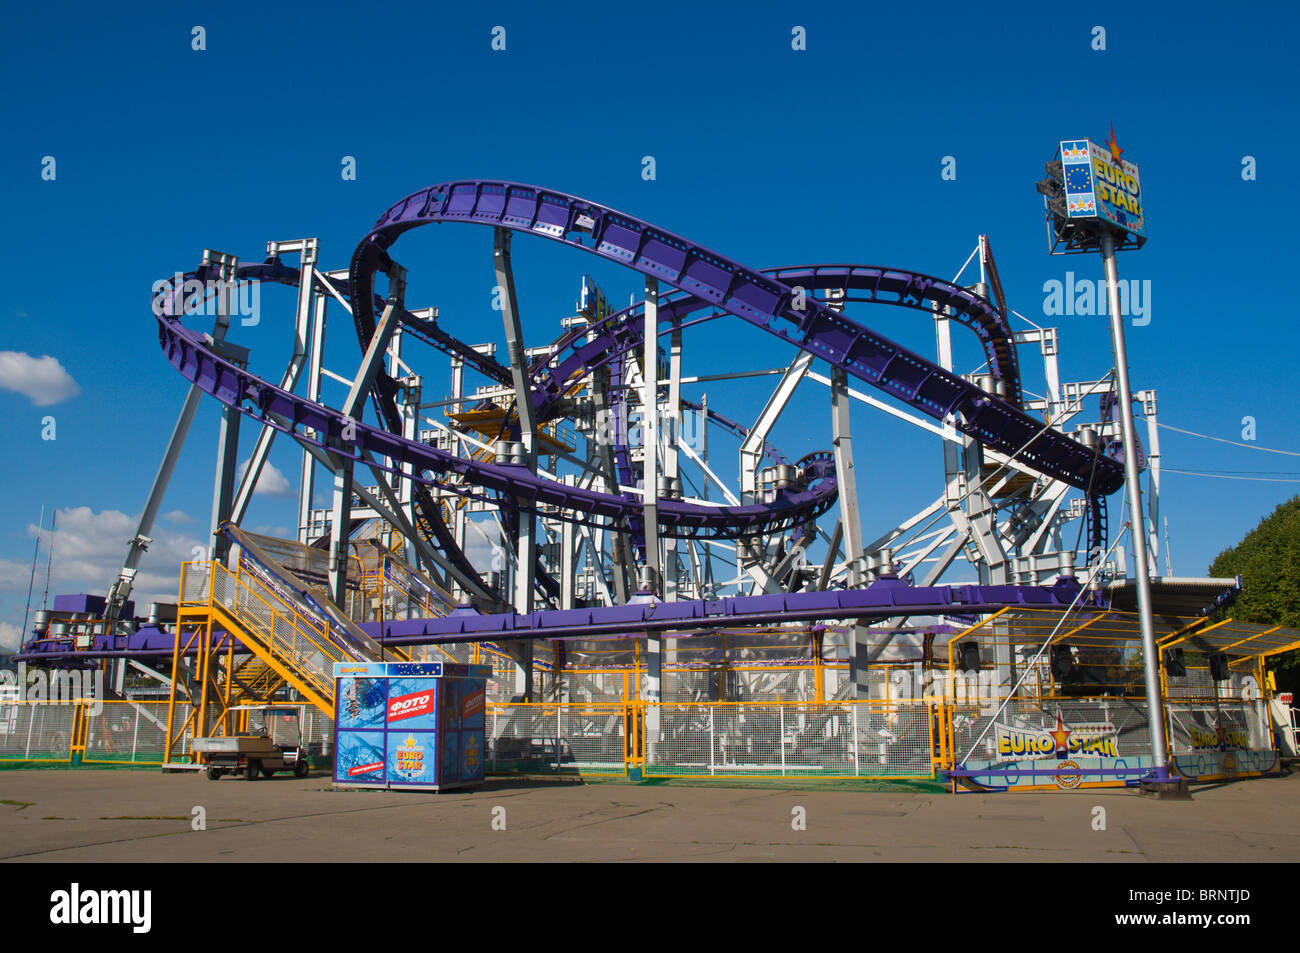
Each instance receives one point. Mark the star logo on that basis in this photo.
(1115, 150)
(1061, 735)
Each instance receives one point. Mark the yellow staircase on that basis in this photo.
(290, 642)
(253, 680)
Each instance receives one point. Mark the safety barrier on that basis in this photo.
(839, 739)
(842, 739)
(86, 731)
(589, 739)
(1106, 740)
(1218, 738)
(127, 732)
(1115, 726)
(723, 739)
(38, 731)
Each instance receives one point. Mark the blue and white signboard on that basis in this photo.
(1101, 185)
(409, 724)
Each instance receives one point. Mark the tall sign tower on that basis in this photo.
(1093, 199)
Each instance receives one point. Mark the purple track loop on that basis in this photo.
(705, 280)
(622, 331)
(761, 300)
(190, 353)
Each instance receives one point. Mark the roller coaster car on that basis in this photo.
(272, 743)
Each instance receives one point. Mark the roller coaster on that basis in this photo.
(803, 306)
(597, 538)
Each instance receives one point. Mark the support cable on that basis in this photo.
(1043, 648)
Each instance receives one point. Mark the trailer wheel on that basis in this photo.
(250, 769)
(300, 768)
(213, 772)
(267, 772)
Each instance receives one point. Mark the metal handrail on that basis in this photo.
(421, 601)
(298, 624)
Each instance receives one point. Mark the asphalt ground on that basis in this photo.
(89, 815)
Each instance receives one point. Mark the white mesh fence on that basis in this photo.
(194, 583)
(542, 737)
(36, 731)
(133, 732)
(829, 739)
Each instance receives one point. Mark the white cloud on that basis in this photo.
(483, 546)
(42, 379)
(10, 638)
(270, 482)
(15, 575)
(89, 548)
(178, 516)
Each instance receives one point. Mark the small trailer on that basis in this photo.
(272, 743)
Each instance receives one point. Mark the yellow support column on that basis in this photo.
(171, 695)
(819, 673)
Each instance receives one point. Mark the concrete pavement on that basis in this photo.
(90, 815)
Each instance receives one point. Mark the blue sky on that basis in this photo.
(768, 155)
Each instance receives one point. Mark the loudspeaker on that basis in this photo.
(1175, 667)
(1062, 661)
(1219, 666)
(969, 658)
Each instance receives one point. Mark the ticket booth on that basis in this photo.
(417, 725)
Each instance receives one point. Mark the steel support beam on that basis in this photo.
(289, 381)
(307, 484)
(223, 488)
(650, 434)
(751, 451)
(650, 498)
(392, 514)
(604, 432)
(673, 436)
(568, 565)
(341, 511)
(525, 575)
(1150, 660)
(845, 476)
(850, 518)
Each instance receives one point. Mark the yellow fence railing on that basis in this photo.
(831, 740)
(84, 730)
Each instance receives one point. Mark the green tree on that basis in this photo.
(1268, 562)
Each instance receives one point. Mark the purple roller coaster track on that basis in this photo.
(704, 285)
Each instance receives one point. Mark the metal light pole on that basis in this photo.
(1150, 660)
